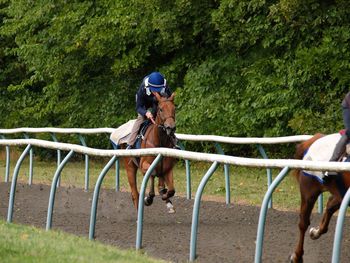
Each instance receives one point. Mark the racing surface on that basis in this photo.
(226, 232)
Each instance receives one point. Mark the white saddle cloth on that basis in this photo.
(321, 150)
(122, 133)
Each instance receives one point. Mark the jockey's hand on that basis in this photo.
(149, 116)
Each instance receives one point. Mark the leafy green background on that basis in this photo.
(239, 67)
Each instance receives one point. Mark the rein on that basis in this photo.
(160, 125)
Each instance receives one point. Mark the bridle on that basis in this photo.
(169, 131)
(165, 121)
(159, 110)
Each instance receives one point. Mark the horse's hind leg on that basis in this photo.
(131, 171)
(308, 200)
(151, 194)
(145, 164)
(332, 206)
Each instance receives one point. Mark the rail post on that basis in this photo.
(117, 170)
(95, 197)
(14, 182)
(53, 189)
(339, 227)
(195, 213)
(30, 179)
(54, 138)
(268, 171)
(83, 142)
(263, 212)
(188, 174)
(7, 171)
(141, 201)
(227, 175)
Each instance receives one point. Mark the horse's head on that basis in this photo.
(166, 113)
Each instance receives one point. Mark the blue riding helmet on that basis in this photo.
(155, 82)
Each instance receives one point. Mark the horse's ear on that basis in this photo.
(172, 96)
(156, 94)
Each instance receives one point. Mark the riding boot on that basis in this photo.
(339, 150)
(129, 147)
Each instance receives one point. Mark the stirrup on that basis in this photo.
(328, 174)
(177, 147)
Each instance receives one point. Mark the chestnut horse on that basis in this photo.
(310, 189)
(159, 134)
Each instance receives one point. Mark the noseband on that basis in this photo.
(167, 130)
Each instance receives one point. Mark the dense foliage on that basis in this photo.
(239, 67)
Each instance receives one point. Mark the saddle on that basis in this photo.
(141, 134)
(121, 135)
(322, 150)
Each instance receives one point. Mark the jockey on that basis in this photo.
(146, 102)
(344, 139)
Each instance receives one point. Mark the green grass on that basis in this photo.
(28, 244)
(248, 185)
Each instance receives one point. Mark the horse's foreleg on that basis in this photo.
(151, 194)
(332, 206)
(169, 180)
(307, 204)
(161, 186)
(163, 193)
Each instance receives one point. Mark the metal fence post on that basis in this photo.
(263, 211)
(54, 138)
(268, 171)
(195, 213)
(95, 197)
(141, 201)
(188, 174)
(53, 189)
(83, 142)
(117, 170)
(30, 180)
(14, 182)
(338, 235)
(227, 175)
(7, 171)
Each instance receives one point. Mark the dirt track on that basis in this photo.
(226, 233)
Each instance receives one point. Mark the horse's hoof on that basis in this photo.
(162, 192)
(168, 195)
(314, 233)
(294, 259)
(148, 201)
(170, 208)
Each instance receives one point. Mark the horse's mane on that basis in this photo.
(302, 147)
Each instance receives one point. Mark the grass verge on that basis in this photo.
(28, 244)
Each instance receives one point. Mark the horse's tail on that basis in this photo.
(302, 147)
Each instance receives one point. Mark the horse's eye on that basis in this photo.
(160, 110)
